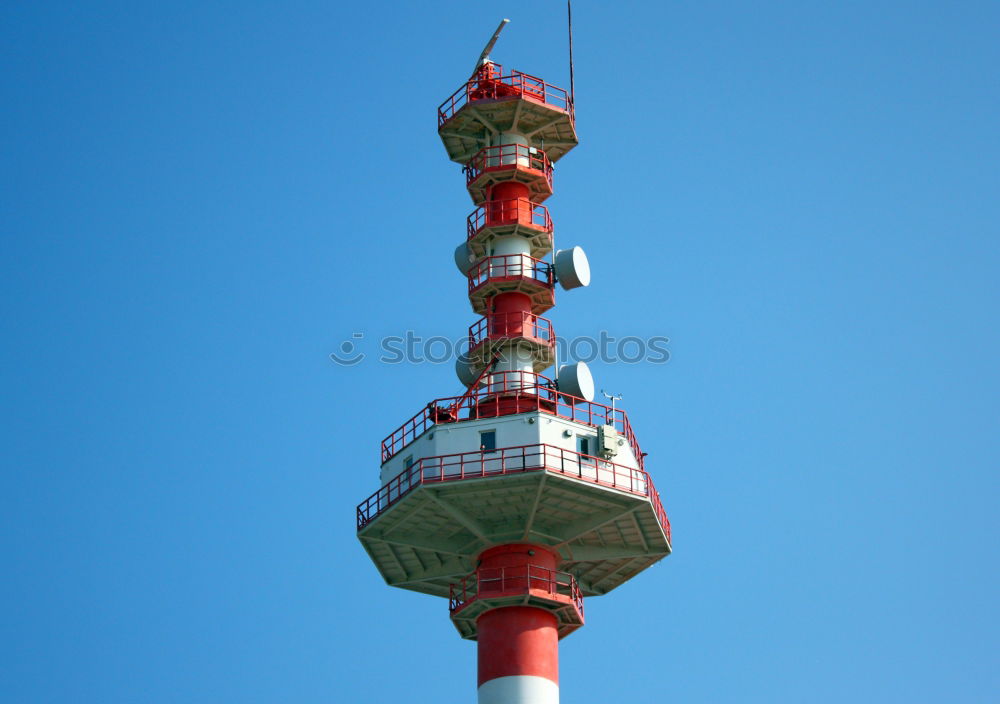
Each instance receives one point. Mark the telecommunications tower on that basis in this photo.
(520, 496)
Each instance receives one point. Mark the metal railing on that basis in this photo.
(509, 211)
(491, 582)
(492, 85)
(507, 156)
(503, 326)
(504, 267)
(512, 460)
(527, 391)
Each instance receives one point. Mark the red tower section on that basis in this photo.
(520, 496)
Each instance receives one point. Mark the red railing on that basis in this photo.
(505, 267)
(493, 86)
(510, 211)
(525, 391)
(491, 582)
(466, 407)
(661, 513)
(502, 326)
(507, 156)
(512, 460)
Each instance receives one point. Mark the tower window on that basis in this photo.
(584, 445)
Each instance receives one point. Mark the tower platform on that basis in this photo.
(503, 332)
(424, 528)
(505, 163)
(503, 218)
(521, 585)
(512, 272)
(493, 103)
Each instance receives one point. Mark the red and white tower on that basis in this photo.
(520, 496)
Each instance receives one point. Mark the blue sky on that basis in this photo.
(201, 201)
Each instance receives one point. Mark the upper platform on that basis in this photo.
(529, 390)
(492, 103)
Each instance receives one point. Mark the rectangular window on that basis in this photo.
(408, 462)
(488, 440)
(583, 445)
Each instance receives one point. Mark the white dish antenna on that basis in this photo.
(572, 268)
(464, 259)
(576, 380)
(467, 372)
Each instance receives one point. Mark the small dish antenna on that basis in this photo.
(485, 56)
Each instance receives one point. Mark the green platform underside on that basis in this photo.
(475, 123)
(430, 538)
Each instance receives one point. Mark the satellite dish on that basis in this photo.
(485, 56)
(464, 259)
(576, 380)
(465, 372)
(572, 268)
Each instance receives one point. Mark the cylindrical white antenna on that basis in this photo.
(485, 55)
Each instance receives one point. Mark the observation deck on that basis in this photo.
(534, 391)
(424, 527)
(492, 103)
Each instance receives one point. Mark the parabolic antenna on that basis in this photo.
(572, 268)
(463, 258)
(466, 372)
(576, 380)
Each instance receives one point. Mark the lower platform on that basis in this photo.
(528, 585)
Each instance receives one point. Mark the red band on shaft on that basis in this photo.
(511, 315)
(518, 555)
(518, 640)
(509, 203)
(509, 189)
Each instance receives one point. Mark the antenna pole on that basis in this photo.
(569, 17)
(485, 55)
(612, 398)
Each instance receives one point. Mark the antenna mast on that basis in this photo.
(485, 55)
(612, 398)
(569, 17)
